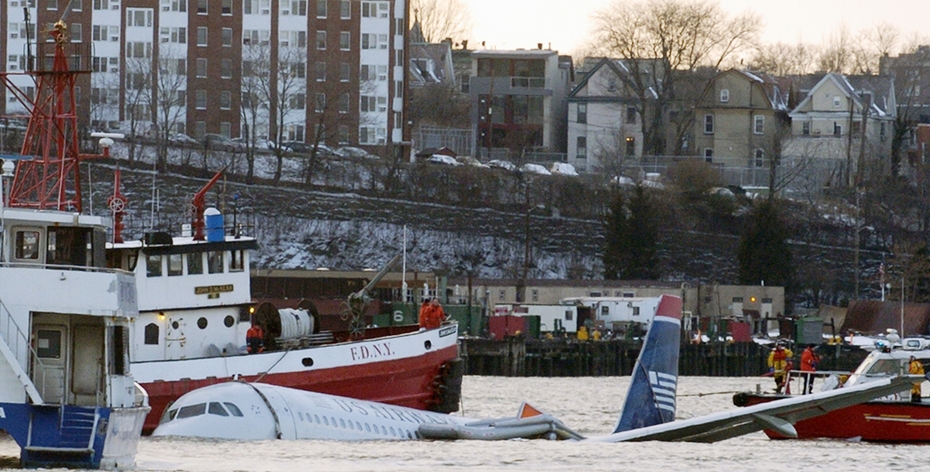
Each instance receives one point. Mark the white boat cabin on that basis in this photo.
(64, 317)
(194, 296)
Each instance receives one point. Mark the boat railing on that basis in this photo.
(818, 380)
(37, 265)
(16, 345)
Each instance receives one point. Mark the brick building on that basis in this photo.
(294, 70)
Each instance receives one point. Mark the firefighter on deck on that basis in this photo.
(779, 362)
(915, 368)
(254, 339)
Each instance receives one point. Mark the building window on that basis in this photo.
(343, 134)
(76, 32)
(321, 40)
(201, 99)
(345, 72)
(321, 8)
(630, 146)
(201, 35)
(201, 68)
(227, 7)
(225, 101)
(202, 7)
(724, 95)
(227, 37)
(320, 102)
(837, 129)
(837, 102)
(321, 72)
(345, 9)
(226, 128)
(759, 158)
(758, 124)
(345, 40)
(582, 146)
(708, 124)
(200, 129)
(297, 101)
(631, 115)
(805, 128)
(225, 68)
(582, 113)
(708, 154)
(344, 103)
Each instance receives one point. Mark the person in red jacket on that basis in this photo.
(431, 315)
(254, 339)
(809, 360)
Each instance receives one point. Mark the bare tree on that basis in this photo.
(137, 89)
(168, 99)
(282, 84)
(783, 59)
(663, 42)
(441, 19)
(253, 110)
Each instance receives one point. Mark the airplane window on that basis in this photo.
(300, 415)
(168, 415)
(358, 425)
(383, 430)
(217, 409)
(367, 428)
(316, 419)
(233, 409)
(325, 421)
(192, 410)
(392, 431)
(334, 421)
(351, 426)
(342, 422)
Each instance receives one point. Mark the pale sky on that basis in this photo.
(564, 24)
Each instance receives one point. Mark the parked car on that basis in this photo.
(295, 146)
(502, 164)
(349, 151)
(563, 168)
(220, 142)
(443, 159)
(530, 168)
(471, 161)
(181, 138)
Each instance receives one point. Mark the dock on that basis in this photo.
(517, 356)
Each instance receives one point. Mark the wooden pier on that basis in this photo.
(520, 357)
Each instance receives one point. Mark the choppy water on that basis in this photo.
(589, 405)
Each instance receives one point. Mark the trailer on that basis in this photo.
(552, 318)
(617, 313)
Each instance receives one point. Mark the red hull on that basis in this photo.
(403, 382)
(875, 421)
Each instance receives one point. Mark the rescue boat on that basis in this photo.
(896, 418)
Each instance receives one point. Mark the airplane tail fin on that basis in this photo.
(651, 398)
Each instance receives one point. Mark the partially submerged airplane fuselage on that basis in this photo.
(239, 410)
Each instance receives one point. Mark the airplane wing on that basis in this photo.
(779, 415)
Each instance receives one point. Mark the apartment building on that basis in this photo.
(290, 70)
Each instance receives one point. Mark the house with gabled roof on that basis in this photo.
(827, 126)
(740, 120)
(604, 124)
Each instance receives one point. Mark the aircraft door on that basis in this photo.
(88, 366)
(50, 362)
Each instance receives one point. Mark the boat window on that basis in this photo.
(174, 265)
(48, 344)
(215, 262)
(27, 245)
(229, 321)
(192, 410)
(119, 350)
(236, 262)
(153, 265)
(884, 367)
(217, 409)
(67, 246)
(233, 409)
(202, 323)
(151, 334)
(195, 263)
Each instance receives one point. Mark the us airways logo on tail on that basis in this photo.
(663, 390)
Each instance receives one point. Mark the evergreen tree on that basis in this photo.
(643, 227)
(616, 244)
(764, 254)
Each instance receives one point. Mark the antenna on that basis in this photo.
(28, 40)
